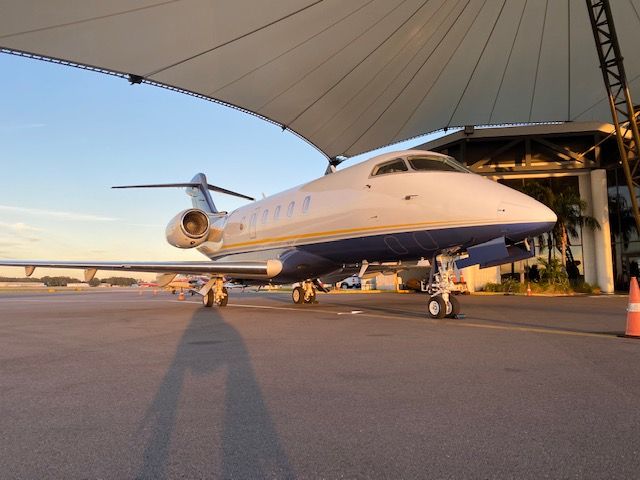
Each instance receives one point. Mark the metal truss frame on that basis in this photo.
(622, 110)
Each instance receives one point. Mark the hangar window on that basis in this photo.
(305, 204)
(265, 216)
(394, 166)
(436, 163)
(290, 209)
(276, 214)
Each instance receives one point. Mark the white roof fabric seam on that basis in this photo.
(360, 62)
(228, 42)
(475, 67)
(406, 84)
(329, 58)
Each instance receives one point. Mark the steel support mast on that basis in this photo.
(615, 81)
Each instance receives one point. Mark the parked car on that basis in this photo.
(350, 282)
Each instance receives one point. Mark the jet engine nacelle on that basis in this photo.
(188, 229)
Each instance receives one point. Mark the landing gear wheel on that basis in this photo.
(225, 299)
(297, 295)
(453, 307)
(437, 307)
(311, 299)
(207, 300)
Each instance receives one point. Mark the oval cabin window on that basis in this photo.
(290, 209)
(276, 214)
(305, 204)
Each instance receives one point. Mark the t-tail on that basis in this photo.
(198, 189)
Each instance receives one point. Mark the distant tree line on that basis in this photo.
(120, 281)
(23, 280)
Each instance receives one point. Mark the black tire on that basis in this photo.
(344, 285)
(225, 299)
(453, 308)
(312, 298)
(297, 295)
(207, 300)
(436, 307)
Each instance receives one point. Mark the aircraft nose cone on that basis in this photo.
(546, 214)
(518, 208)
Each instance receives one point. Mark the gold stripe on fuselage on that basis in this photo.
(266, 242)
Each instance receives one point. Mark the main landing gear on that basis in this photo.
(441, 302)
(215, 293)
(305, 292)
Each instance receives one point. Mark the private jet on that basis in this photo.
(376, 216)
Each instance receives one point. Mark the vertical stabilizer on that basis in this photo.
(200, 196)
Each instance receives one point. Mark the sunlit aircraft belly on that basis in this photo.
(317, 258)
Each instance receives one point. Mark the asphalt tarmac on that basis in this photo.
(119, 385)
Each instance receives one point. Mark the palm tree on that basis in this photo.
(623, 226)
(621, 219)
(568, 207)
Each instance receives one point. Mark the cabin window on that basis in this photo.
(265, 216)
(276, 214)
(242, 222)
(290, 209)
(305, 204)
(442, 164)
(394, 166)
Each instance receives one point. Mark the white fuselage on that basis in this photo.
(352, 215)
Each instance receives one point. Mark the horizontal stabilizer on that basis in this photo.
(213, 188)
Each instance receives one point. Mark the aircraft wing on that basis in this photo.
(240, 270)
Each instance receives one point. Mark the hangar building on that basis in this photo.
(580, 155)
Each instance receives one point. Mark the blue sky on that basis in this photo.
(67, 135)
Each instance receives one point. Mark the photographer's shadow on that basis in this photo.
(250, 446)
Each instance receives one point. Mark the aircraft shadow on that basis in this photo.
(249, 446)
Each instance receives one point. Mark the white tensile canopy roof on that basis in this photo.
(348, 76)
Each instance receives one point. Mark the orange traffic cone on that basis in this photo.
(181, 296)
(528, 289)
(633, 310)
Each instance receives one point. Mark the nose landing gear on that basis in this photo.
(441, 302)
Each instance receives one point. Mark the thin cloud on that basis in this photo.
(57, 214)
(22, 126)
(145, 225)
(19, 227)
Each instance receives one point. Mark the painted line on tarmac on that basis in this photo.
(453, 323)
(264, 307)
(497, 327)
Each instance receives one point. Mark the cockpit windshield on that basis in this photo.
(420, 163)
(436, 163)
(394, 166)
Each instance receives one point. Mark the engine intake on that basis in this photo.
(188, 229)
